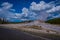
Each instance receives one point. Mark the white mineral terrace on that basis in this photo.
(37, 23)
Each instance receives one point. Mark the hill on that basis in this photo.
(54, 21)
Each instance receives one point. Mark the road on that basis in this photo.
(8, 34)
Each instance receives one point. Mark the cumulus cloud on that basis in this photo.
(36, 11)
(40, 9)
(25, 11)
(6, 5)
(40, 6)
(44, 10)
(4, 11)
(54, 9)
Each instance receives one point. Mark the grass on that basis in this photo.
(35, 27)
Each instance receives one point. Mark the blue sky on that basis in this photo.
(23, 10)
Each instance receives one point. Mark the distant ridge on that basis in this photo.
(54, 21)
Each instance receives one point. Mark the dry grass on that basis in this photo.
(34, 27)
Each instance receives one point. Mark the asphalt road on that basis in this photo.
(8, 34)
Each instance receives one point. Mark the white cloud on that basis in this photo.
(5, 11)
(13, 10)
(54, 9)
(57, 16)
(44, 9)
(24, 19)
(17, 14)
(6, 5)
(40, 6)
(38, 11)
(25, 11)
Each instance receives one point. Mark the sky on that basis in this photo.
(24, 10)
